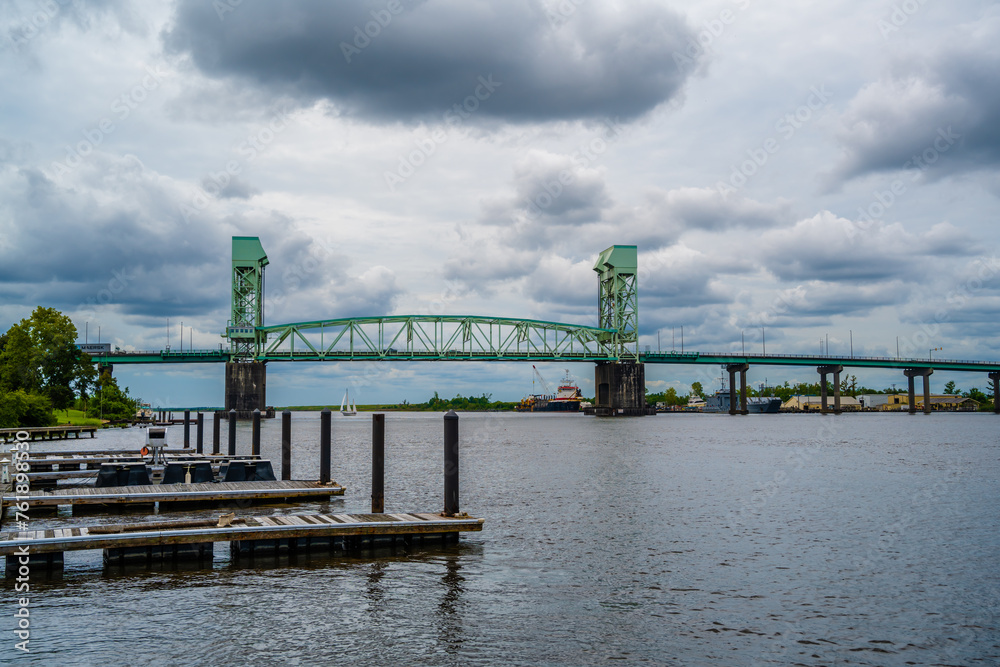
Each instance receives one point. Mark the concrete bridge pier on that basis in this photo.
(246, 388)
(620, 390)
(996, 389)
(742, 370)
(824, 401)
(925, 373)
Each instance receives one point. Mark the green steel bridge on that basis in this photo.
(612, 345)
(366, 348)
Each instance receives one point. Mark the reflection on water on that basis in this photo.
(678, 539)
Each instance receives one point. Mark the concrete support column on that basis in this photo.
(925, 373)
(742, 370)
(620, 389)
(824, 371)
(732, 391)
(246, 388)
(743, 393)
(836, 393)
(996, 388)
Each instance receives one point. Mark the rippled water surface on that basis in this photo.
(677, 539)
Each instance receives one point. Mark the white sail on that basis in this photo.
(346, 408)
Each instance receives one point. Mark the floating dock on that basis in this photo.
(248, 537)
(120, 496)
(48, 432)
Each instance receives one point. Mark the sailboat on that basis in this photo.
(346, 408)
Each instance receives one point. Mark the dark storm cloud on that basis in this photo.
(936, 113)
(421, 58)
(111, 234)
(830, 249)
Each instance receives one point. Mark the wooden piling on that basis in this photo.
(216, 428)
(324, 446)
(286, 444)
(378, 464)
(232, 432)
(187, 429)
(200, 440)
(255, 441)
(450, 463)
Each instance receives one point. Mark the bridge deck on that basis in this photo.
(157, 493)
(249, 528)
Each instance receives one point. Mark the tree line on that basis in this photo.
(848, 387)
(42, 371)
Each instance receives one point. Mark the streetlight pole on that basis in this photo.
(682, 339)
(743, 342)
(763, 343)
(851, 332)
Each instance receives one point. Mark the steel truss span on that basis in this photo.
(434, 338)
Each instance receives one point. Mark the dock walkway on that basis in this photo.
(48, 432)
(275, 491)
(248, 537)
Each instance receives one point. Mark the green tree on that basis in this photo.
(976, 395)
(40, 356)
(21, 409)
(110, 402)
(949, 387)
(697, 389)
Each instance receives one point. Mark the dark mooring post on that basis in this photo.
(216, 428)
(378, 464)
(996, 390)
(450, 464)
(187, 429)
(324, 446)
(255, 446)
(232, 432)
(200, 438)
(286, 444)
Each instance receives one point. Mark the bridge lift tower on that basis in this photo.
(246, 378)
(620, 385)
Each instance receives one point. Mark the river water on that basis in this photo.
(678, 539)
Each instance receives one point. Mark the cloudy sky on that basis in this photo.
(826, 170)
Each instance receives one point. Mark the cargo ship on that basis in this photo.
(719, 402)
(566, 399)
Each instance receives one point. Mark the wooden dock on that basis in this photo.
(248, 537)
(48, 432)
(272, 491)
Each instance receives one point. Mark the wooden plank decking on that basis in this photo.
(158, 493)
(48, 432)
(251, 528)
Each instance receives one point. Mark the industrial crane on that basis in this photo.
(541, 381)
